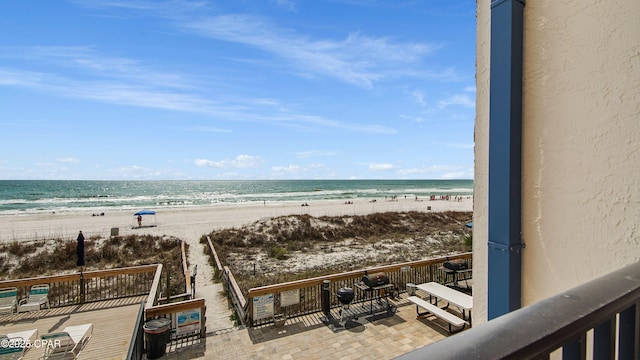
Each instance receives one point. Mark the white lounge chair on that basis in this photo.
(13, 345)
(8, 300)
(9, 349)
(38, 296)
(69, 341)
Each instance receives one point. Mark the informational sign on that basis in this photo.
(187, 321)
(291, 297)
(263, 307)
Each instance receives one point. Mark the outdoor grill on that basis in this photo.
(377, 279)
(345, 296)
(376, 286)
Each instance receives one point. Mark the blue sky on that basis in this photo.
(237, 89)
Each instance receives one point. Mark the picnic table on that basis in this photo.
(451, 296)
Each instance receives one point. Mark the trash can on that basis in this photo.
(411, 289)
(156, 335)
(326, 297)
(115, 231)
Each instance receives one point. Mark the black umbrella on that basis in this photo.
(80, 250)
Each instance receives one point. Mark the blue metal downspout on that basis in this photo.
(505, 154)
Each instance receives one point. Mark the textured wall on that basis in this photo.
(481, 178)
(581, 143)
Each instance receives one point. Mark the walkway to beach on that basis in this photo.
(218, 312)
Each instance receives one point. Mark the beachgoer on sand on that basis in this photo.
(139, 220)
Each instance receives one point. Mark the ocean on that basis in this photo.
(38, 196)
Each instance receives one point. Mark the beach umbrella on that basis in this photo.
(139, 214)
(80, 250)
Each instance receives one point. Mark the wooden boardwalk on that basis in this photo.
(113, 322)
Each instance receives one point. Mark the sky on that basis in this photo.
(237, 89)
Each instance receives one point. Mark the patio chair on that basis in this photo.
(8, 300)
(14, 345)
(10, 348)
(38, 296)
(69, 341)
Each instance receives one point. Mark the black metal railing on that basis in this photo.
(599, 319)
(90, 286)
(307, 293)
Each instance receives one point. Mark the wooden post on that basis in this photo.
(203, 322)
(168, 282)
(82, 294)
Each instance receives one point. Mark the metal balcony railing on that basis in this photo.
(597, 320)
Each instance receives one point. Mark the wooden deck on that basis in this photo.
(113, 323)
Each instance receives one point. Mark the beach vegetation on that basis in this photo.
(295, 247)
(278, 252)
(23, 259)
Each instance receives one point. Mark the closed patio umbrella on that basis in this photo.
(80, 251)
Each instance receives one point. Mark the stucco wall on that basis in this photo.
(581, 144)
(481, 177)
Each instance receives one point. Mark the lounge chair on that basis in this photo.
(69, 341)
(8, 300)
(13, 345)
(9, 348)
(38, 296)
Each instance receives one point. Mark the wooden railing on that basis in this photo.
(152, 299)
(234, 294)
(185, 269)
(309, 291)
(91, 286)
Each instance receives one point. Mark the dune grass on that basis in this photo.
(20, 259)
(294, 247)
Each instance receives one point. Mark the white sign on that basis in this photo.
(263, 307)
(187, 321)
(290, 297)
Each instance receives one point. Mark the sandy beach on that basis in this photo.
(191, 223)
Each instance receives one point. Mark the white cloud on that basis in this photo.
(286, 169)
(287, 4)
(357, 59)
(454, 175)
(419, 96)
(461, 99)
(126, 82)
(241, 161)
(438, 172)
(381, 167)
(417, 119)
